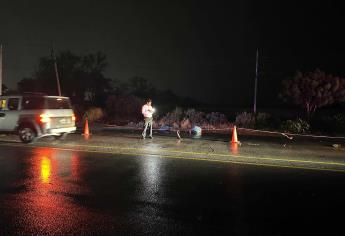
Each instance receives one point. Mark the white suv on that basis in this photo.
(34, 116)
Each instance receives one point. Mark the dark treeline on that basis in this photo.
(82, 79)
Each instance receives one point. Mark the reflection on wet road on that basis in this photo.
(61, 192)
(46, 195)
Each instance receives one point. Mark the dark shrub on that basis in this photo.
(297, 126)
(94, 114)
(124, 107)
(245, 120)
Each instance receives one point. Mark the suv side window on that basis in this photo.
(2, 104)
(13, 104)
(32, 103)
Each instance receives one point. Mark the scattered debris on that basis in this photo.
(178, 134)
(285, 135)
(165, 128)
(196, 130)
(336, 145)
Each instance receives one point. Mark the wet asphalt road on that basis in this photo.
(63, 192)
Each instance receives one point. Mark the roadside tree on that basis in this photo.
(313, 90)
(81, 77)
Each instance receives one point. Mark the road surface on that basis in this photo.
(88, 187)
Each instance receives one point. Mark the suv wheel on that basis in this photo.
(27, 134)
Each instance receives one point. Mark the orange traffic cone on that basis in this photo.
(86, 128)
(234, 135)
(234, 148)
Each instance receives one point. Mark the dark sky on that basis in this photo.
(202, 49)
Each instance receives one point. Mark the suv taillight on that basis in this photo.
(45, 118)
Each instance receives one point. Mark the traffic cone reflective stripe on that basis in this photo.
(234, 135)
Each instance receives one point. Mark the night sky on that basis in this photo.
(205, 50)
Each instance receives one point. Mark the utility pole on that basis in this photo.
(56, 71)
(0, 69)
(256, 79)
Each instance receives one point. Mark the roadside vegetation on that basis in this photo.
(317, 97)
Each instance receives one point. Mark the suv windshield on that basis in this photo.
(30, 103)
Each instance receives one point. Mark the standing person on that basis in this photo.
(147, 110)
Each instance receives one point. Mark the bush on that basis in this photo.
(245, 120)
(124, 107)
(250, 120)
(262, 120)
(339, 121)
(295, 126)
(172, 118)
(329, 124)
(94, 114)
(216, 118)
(187, 119)
(195, 117)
